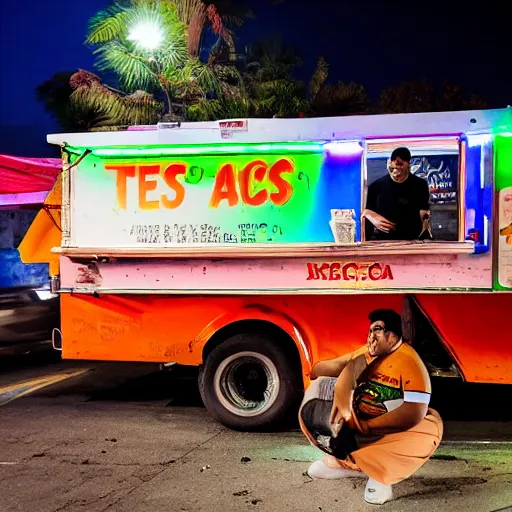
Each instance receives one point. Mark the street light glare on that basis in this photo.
(147, 34)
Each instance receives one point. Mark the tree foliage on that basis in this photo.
(335, 99)
(80, 102)
(168, 80)
(118, 49)
(319, 78)
(421, 96)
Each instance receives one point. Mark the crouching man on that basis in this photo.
(369, 412)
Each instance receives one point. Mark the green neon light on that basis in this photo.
(225, 149)
(503, 173)
(503, 145)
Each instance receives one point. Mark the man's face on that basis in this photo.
(399, 169)
(380, 342)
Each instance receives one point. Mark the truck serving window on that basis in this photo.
(437, 162)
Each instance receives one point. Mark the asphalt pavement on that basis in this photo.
(128, 437)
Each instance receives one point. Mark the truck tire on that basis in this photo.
(248, 383)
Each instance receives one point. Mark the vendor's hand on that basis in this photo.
(380, 222)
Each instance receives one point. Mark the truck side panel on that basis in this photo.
(158, 328)
(474, 328)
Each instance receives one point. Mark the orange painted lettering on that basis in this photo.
(123, 173)
(224, 187)
(284, 188)
(170, 174)
(255, 171)
(146, 186)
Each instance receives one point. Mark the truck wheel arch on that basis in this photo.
(253, 319)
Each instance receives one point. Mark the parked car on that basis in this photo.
(28, 309)
(27, 318)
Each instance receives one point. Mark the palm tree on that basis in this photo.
(80, 102)
(220, 15)
(269, 80)
(453, 97)
(166, 61)
(318, 78)
(339, 99)
(408, 97)
(144, 43)
(272, 59)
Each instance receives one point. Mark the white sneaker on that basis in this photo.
(319, 469)
(377, 493)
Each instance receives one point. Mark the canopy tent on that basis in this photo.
(25, 181)
(20, 175)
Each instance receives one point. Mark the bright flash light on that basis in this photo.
(147, 34)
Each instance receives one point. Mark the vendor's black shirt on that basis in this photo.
(399, 203)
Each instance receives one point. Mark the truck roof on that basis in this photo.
(296, 130)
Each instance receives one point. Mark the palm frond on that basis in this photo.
(228, 74)
(196, 79)
(174, 52)
(100, 107)
(208, 110)
(171, 19)
(319, 77)
(281, 98)
(205, 76)
(107, 25)
(97, 104)
(341, 99)
(134, 71)
(141, 108)
(188, 9)
(203, 110)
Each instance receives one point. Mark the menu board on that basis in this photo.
(287, 195)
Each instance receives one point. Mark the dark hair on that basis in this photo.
(392, 320)
(402, 153)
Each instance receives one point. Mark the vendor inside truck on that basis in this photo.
(398, 203)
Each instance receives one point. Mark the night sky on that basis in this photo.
(375, 43)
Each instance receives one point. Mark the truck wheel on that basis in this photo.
(249, 383)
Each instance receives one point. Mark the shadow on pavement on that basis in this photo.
(454, 400)
(177, 384)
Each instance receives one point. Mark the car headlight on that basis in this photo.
(45, 294)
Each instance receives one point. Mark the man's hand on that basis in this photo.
(341, 408)
(380, 222)
(344, 390)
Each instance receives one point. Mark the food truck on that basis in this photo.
(239, 246)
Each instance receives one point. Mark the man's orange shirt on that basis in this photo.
(389, 381)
